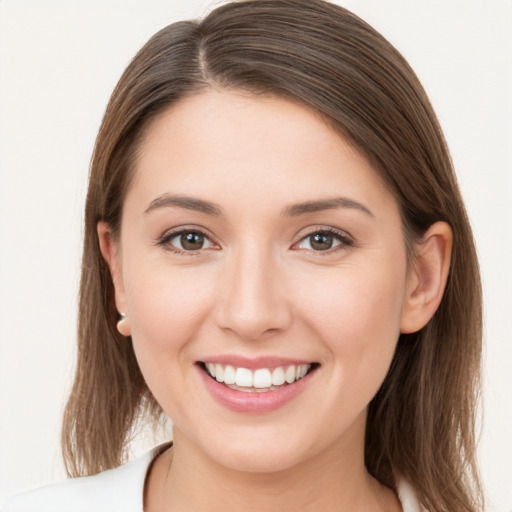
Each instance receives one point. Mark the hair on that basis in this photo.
(421, 423)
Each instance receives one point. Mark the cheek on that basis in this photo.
(356, 315)
(355, 300)
(358, 325)
(167, 307)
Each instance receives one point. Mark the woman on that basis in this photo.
(277, 258)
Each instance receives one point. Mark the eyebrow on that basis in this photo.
(325, 204)
(188, 203)
(294, 210)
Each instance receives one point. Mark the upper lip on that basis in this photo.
(256, 362)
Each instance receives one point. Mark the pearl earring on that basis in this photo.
(123, 325)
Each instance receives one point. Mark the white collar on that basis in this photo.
(121, 490)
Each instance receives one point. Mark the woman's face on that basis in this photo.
(257, 244)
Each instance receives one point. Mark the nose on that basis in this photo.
(254, 303)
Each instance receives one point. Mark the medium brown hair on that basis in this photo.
(421, 423)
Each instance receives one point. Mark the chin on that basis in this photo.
(265, 448)
(254, 459)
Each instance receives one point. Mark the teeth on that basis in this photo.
(219, 373)
(278, 377)
(229, 375)
(262, 378)
(290, 374)
(243, 378)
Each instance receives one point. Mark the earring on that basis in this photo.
(123, 325)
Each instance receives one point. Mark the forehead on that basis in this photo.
(231, 143)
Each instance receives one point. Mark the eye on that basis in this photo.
(323, 240)
(186, 241)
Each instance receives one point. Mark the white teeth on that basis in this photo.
(290, 374)
(278, 377)
(229, 375)
(262, 378)
(243, 377)
(219, 373)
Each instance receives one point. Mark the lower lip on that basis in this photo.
(240, 401)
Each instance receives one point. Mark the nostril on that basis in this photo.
(253, 309)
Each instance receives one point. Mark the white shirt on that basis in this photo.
(119, 490)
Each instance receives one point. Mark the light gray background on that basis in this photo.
(59, 61)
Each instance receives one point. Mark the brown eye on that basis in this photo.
(192, 241)
(189, 241)
(321, 241)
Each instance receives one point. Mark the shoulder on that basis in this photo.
(117, 490)
(407, 497)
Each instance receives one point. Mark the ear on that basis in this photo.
(111, 254)
(427, 277)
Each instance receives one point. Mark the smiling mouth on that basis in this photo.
(261, 380)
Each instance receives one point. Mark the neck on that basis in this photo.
(333, 480)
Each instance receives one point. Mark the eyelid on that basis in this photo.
(167, 236)
(346, 240)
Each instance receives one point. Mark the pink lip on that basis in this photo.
(245, 402)
(254, 363)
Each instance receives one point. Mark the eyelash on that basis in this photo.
(165, 240)
(344, 240)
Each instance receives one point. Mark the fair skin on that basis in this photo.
(298, 256)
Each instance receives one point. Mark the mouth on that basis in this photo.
(257, 380)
